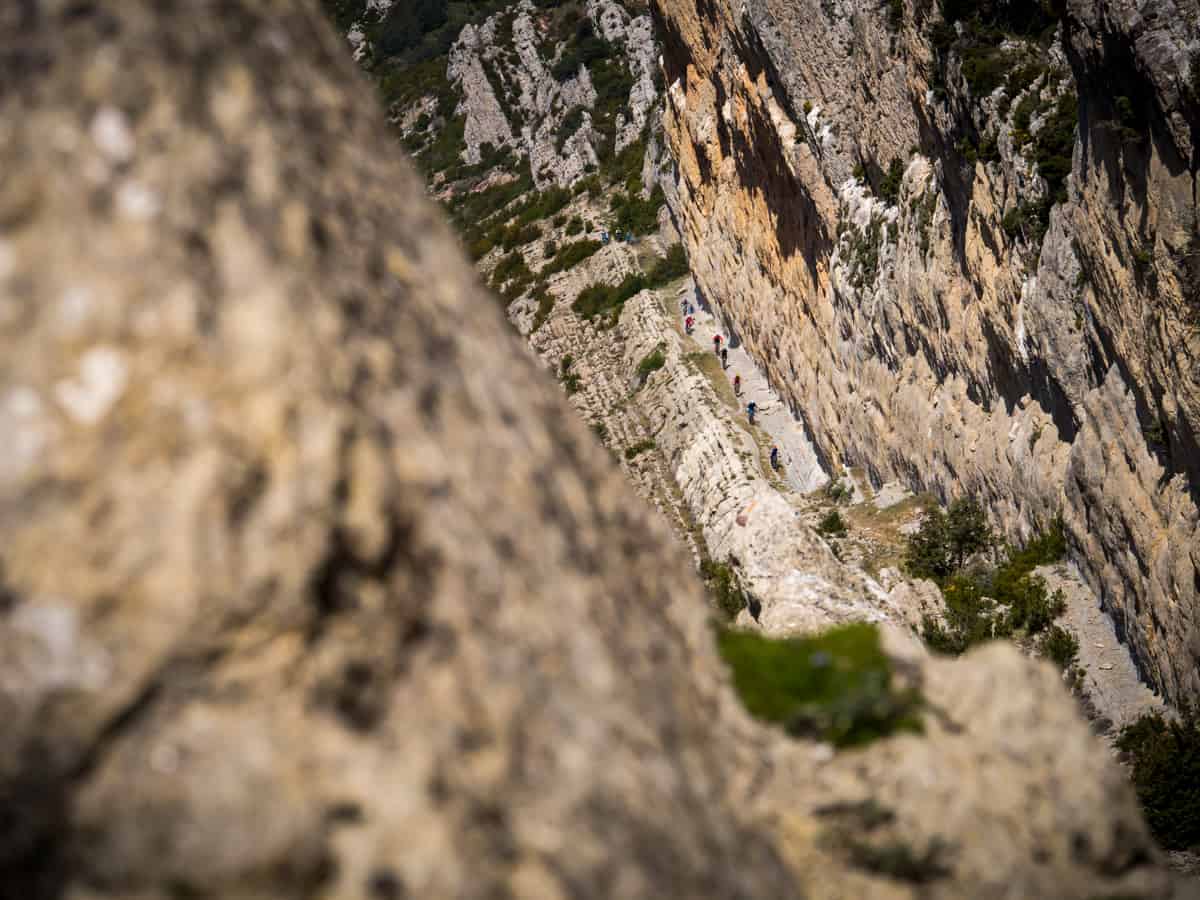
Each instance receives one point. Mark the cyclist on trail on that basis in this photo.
(737, 385)
(751, 410)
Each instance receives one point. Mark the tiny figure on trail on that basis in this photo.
(737, 385)
(717, 344)
(775, 458)
(690, 309)
(751, 410)
(683, 306)
(688, 324)
(724, 357)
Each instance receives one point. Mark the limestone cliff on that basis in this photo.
(312, 586)
(952, 283)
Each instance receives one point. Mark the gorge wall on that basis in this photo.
(951, 283)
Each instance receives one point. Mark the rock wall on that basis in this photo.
(878, 203)
(313, 586)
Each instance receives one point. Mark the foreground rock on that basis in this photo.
(313, 586)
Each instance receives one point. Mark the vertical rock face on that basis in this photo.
(950, 282)
(312, 586)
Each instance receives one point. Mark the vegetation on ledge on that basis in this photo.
(835, 687)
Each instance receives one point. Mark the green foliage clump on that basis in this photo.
(634, 215)
(651, 363)
(1059, 646)
(889, 187)
(606, 300)
(1165, 756)
(519, 236)
(510, 266)
(1054, 145)
(635, 450)
(545, 306)
(575, 226)
(542, 205)
(985, 603)
(946, 540)
(667, 268)
(840, 492)
(569, 256)
(836, 686)
(832, 525)
(567, 127)
(726, 588)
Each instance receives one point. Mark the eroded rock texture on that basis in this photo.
(314, 587)
(1002, 315)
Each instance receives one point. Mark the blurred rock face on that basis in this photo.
(311, 585)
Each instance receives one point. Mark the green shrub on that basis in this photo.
(569, 256)
(1059, 646)
(519, 236)
(987, 603)
(726, 588)
(1166, 773)
(651, 362)
(545, 306)
(1054, 146)
(946, 540)
(550, 249)
(840, 492)
(636, 450)
(832, 525)
(637, 216)
(574, 226)
(836, 686)
(567, 127)
(666, 269)
(572, 383)
(510, 267)
(889, 187)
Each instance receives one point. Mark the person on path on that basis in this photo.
(751, 410)
(683, 306)
(717, 344)
(737, 385)
(724, 357)
(775, 458)
(688, 324)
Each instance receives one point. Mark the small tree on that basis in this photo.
(967, 530)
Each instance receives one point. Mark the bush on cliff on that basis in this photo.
(983, 602)
(1165, 757)
(835, 687)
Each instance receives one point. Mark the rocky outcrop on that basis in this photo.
(313, 586)
(880, 205)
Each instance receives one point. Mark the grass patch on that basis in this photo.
(836, 686)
